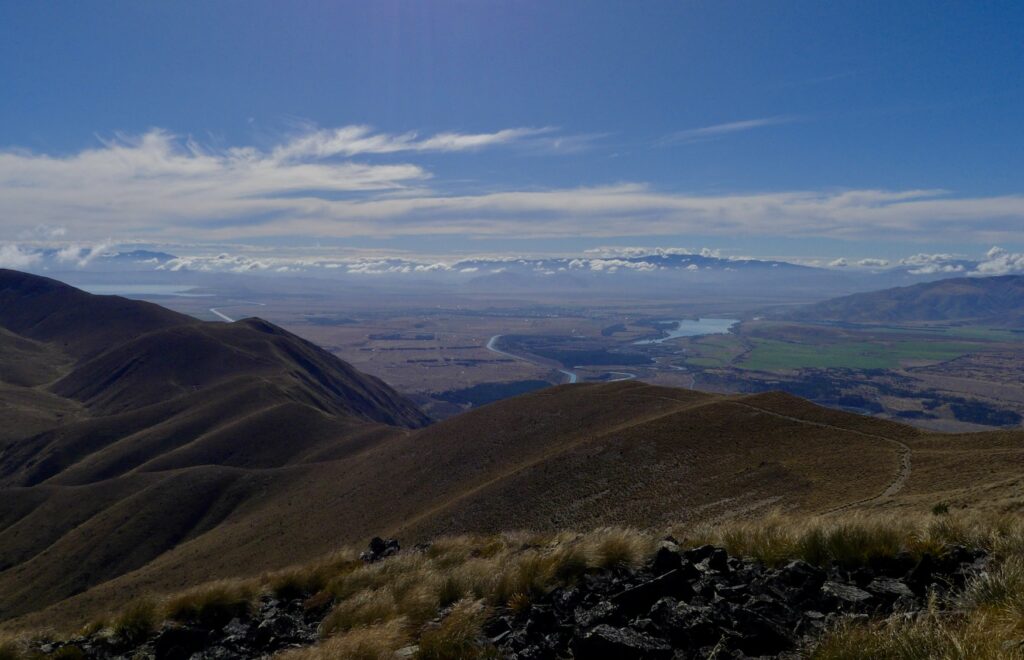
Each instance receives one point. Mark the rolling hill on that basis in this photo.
(195, 451)
(991, 300)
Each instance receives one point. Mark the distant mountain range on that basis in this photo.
(990, 300)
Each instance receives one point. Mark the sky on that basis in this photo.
(853, 129)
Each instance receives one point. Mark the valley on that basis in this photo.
(442, 355)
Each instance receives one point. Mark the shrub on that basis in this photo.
(940, 509)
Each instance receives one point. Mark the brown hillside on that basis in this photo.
(567, 457)
(196, 451)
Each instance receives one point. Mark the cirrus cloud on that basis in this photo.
(158, 186)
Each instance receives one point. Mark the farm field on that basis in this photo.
(772, 355)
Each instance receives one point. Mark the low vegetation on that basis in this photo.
(438, 598)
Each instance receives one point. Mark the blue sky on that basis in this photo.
(765, 128)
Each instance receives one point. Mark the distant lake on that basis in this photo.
(691, 328)
(142, 290)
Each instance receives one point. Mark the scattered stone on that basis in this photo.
(380, 549)
(605, 641)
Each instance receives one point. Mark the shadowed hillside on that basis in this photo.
(996, 300)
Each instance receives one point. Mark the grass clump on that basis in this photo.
(136, 622)
(212, 604)
(366, 608)
(458, 636)
(10, 649)
(618, 548)
(378, 642)
(933, 637)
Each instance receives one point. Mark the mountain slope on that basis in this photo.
(568, 457)
(195, 451)
(995, 300)
(129, 428)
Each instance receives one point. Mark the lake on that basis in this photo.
(692, 328)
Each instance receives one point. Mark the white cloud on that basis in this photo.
(839, 263)
(350, 141)
(160, 188)
(934, 264)
(718, 130)
(923, 259)
(873, 263)
(934, 269)
(998, 261)
(12, 256)
(81, 255)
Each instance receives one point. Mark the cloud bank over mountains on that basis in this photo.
(607, 261)
(345, 182)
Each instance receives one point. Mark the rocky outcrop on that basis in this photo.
(272, 625)
(684, 604)
(702, 602)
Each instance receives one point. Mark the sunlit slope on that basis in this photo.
(568, 457)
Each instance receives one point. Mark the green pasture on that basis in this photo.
(772, 355)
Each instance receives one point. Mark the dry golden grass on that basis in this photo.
(377, 642)
(458, 635)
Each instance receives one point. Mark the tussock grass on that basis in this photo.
(211, 604)
(377, 642)
(856, 538)
(458, 635)
(136, 621)
(930, 639)
(10, 648)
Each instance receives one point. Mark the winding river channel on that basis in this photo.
(492, 346)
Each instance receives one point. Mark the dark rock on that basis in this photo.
(889, 588)
(684, 624)
(894, 567)
(541, 619)
(604, 641)
(921, 576)
(699, 554)
(565, 599)
(640, 598)
(718, 561)
(845, 596)
(666, 560)
(603, 612)
(757, 635)
(380, 549)
(179, 642)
